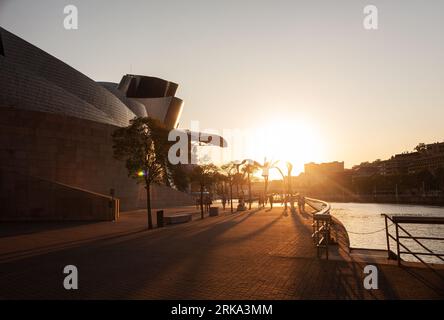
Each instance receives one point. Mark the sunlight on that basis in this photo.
(297, 141)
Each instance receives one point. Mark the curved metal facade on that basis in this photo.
(34, 80)
(56, 125)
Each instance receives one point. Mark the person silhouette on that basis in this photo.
(301, 204)
(270, 198)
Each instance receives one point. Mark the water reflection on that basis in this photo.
(366, 227)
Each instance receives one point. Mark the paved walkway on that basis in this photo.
(258, 254)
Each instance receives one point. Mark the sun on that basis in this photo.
(287, 139)
(295, 140)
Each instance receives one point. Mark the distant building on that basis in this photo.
(367, 169)
(398, 164)
(426, 157)
(323, 168)
(429, 157)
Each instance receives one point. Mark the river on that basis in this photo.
(366, 228)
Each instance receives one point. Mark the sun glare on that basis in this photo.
(298, 142)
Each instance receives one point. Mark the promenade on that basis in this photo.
(257, 254)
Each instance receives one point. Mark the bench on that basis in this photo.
(178, 218)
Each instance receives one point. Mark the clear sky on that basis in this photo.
(357, 94)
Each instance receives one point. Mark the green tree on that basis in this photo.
(144, 145)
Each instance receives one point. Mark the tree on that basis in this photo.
(227, 169)
(249, 169)
(421, 147)
(289, 185)
(219, 183)
(265, 172)
(144, 145)
(284, 189)
(205, 176)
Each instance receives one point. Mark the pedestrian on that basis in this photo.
(302, 206)
(291, 203)
(270, 198)
(209, 202)
(224, 201)
(298, 199)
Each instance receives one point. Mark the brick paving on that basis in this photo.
(257, 254)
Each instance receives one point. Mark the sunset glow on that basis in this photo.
(296, 141)
(231, 158)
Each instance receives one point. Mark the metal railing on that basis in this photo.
(321, 225)
(397, 220)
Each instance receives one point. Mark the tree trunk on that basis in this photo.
(249, 192)
(201, 202)
(148, 206)
(231, 196)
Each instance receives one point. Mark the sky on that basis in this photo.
(350, 94)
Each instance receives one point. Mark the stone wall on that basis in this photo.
(25, 198)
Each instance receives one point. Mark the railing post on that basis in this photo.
(397, 221)
(314, 230)
(397, 244)
(317, 238)
(327, 236)
(387, 237)
(321, 227)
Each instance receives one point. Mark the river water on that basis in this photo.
(366, 227)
